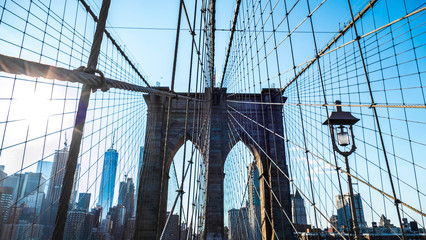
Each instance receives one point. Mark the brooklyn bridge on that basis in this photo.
(204, 119)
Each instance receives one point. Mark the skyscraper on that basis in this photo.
(126, 197)
(5, 200)
(118, 219)
(139, 173)
(254, 214)
(239, 224)
(298, 210)
(109, 170)
(172, 229)
(83, 201)
(45, 168)
(57, 175)
(24, 184)
(343, 205)
(78, 225)
(55, 187)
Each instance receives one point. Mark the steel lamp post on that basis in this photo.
(339, 122)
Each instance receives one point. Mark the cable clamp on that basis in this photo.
(180, 191)
(338, 168)
(103, 85)
(372, 105)
(397, 201)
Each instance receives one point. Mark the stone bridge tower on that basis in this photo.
(223, 121)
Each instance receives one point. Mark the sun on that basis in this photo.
(34, 106)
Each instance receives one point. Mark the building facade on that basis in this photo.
(254, 209)
(298, 210)
(106, 194)
(78, 225)
(239, 227)
(344, 211)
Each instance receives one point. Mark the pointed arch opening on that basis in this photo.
(185, 164)
(242, 209)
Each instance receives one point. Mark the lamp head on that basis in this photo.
(340, 117)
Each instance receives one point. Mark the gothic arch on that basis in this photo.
(214, 144)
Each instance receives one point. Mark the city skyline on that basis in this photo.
(242, 119)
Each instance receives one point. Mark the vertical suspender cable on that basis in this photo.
(378, 123)
(77, 134)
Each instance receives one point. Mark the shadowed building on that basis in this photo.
(298, 210)
(172, 229)
(78, 225)
(5, 201)
(343, 205)
(254, 211)
(239, 226)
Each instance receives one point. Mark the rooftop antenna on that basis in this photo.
(66, 140)
(113, 139)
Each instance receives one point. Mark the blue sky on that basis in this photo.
(152, 50)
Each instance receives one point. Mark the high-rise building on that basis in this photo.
(254, 214)
(55, 188)
(57, 175)
(118, 218)
(139, 175)
(239, 224)
(45, 168)
(3, 174)
(31, 183)
(122, 189)
(333, 221)
(106, 194)
(126, 196)
(172, 229)
(298, 210)
(34, 201)
(343, 205)
(97, 214)
(5, 201)
(24, 184)
(83, 201)
(78, 225)
(22, 231)
(129, 228)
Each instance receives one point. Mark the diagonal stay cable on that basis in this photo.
(331, 164)
(324, 51)
(335, 39)
(278, 168)
(109, 36)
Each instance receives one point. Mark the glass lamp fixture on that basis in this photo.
(342, 136)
